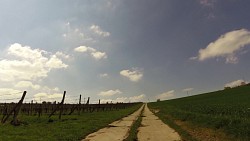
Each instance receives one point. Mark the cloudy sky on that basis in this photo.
(122, 50)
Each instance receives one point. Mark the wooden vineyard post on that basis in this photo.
(87, 104)
(5, 111)
(16, 110)
(99, 105)
(88, 101)
(79, 107)
(40, 110)
(31, 104)
(60, 105)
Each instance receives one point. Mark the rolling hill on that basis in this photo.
(225, 112)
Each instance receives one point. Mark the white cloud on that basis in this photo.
(93, 52)
(193, 58)
(133, 75)
(6, 91)
(60, 54)
(97, 30)
(99, 55)
(28, 63)
(110, 92)
(137, 98)
(48, 97)
(56, 89)
(55, 62)
(226, 46)
(75, 34)
(103, 75)
(232, 59)
(235, 83)
(187, 89)
(121, 99)
(81, 49)
(27, 84)
(8, 94)
(207, 3)
(25, 52)
(166, 95)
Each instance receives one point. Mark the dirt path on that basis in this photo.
(153, 129)
(117, 131)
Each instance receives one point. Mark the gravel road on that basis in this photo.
(153, 129)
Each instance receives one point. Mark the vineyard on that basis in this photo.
(57, 120)
(227, 110)
(8, 109)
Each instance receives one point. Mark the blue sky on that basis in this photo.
(122, 50)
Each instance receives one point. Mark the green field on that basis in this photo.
(69, 128)
(226, 111)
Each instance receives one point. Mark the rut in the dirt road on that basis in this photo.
(153, 129)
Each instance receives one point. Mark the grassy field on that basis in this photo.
(226, 111)
(69, 128)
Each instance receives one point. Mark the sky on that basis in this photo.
(121, 50)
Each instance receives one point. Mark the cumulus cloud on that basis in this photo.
(63, 55)
(137, 98)
(166, 95)
(93, 52)
(55, 62)
(110, 92)
(48, 97)
(8, 94)
(99, 55)
(27, 84)
(235, 83)
(97, 30)
(7, 91)
(82, 49)
(133, 75)
(28, 63)
(226, 46)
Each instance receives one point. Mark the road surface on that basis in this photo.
(153, 129)
(117, 131)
